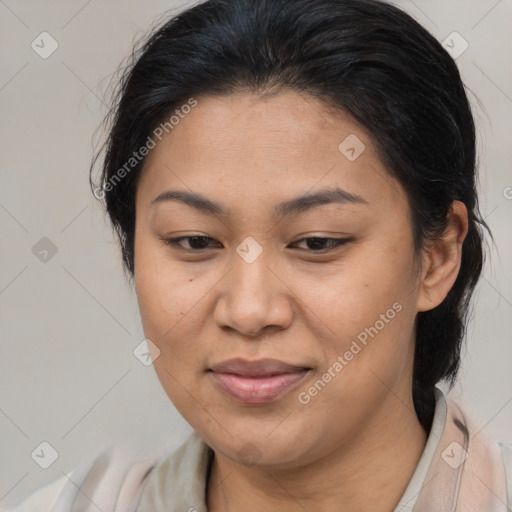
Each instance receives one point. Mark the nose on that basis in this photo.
(254, 298)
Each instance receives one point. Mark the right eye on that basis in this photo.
(196, 243)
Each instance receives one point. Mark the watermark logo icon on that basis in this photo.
(44, 250)
(249, 250)
(44, 45)
(146, 352)
(455, 45)
(351, 147)
(44, 455)
(249, 454)
(454, 455)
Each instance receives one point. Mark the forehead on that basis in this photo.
(250, 149)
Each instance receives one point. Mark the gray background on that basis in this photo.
(69, 325)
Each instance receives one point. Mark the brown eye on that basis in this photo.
(318, 244)
(196, 243)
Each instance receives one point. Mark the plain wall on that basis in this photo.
(69, 325)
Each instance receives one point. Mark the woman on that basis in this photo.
(292, 183)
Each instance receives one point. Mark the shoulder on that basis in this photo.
(113, 477)
(506, 453)
(43, 499)
(472, 466)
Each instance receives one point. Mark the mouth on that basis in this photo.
(257, 382)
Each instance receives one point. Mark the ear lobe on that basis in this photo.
(441, 262)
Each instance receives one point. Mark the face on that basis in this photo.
(289, 243)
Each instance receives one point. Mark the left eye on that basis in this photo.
(317, 244)
(198, 243)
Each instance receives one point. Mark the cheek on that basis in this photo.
(162, 293)
(173, 307)
(365, 284)
(368, 307)
(160, 286)
(168, 307)
(170, 321)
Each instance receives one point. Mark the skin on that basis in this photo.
(344, 449)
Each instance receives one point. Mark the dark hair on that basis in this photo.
(365, 57)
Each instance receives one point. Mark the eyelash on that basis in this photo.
(337, 242)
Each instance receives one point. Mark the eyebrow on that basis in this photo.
(299, 204)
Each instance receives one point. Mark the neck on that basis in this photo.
(370, 474)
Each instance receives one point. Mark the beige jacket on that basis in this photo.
(459, 471)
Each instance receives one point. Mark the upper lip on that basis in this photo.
(259, 368)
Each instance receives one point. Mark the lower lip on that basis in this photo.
(257, 390)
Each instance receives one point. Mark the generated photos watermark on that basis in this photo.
(143, 151)
(343, 360)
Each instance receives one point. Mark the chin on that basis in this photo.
(253, 443)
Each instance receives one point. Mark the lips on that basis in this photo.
(257, 382)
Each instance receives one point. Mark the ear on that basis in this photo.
(442, 259)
